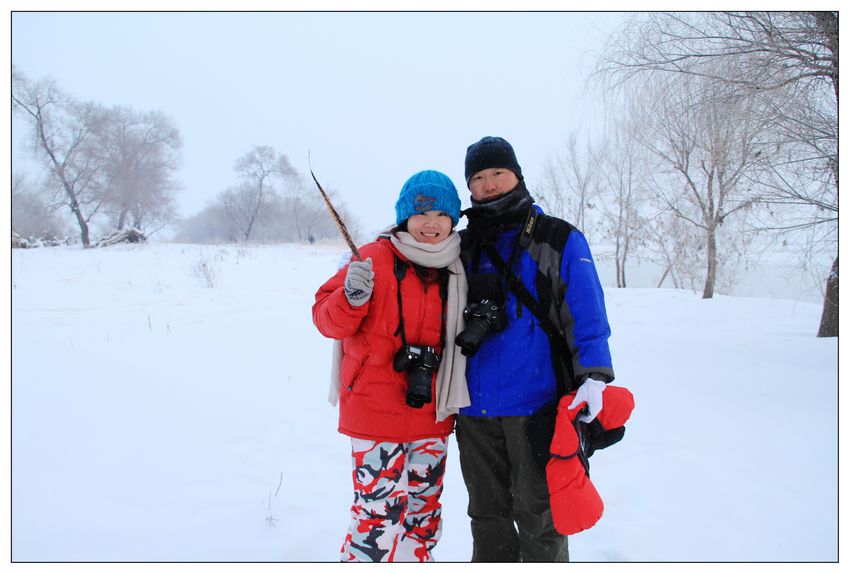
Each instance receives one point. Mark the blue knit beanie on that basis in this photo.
(427, 190)
(490, 152)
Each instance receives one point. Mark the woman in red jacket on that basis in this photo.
(399, 376)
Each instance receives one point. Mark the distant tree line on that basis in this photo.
(270, 202)
(722, 126)
(32, 218)
(114, 170)
(116, 164)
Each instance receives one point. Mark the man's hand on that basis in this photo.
(589, 392)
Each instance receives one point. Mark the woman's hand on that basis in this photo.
(359, 280)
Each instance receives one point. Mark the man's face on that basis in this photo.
(491, 183)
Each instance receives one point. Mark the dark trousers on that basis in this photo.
(503, 464)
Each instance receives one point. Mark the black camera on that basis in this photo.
(482, 318)
(420, 363)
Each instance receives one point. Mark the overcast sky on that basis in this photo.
(374, 96)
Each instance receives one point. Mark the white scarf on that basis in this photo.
(451, 390)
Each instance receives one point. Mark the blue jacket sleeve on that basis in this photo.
(587, 321)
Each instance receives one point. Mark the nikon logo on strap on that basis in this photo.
(529, 225)
(528, 230)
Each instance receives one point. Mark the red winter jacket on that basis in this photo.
(371, 401)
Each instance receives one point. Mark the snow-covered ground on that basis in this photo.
(161, 413)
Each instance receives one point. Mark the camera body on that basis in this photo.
(482, 318)
(420, 363)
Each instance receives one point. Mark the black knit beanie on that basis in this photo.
(490, 152)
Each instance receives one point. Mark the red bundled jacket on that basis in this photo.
(372, 398)
(576, 504)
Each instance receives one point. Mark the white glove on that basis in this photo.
(359, 282)
(589, 392)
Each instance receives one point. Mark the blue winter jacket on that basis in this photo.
(512, 373)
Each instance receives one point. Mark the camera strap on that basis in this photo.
(538, 230)
(505, 270)
(522, 293)
(400, 271)
(487, 246)
(557, 342)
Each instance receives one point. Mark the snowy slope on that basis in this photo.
(156, 418)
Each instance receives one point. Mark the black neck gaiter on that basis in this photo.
(490, 218)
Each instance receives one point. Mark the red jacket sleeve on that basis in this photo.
(333, 315)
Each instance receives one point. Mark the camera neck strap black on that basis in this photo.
(400, 270)
(522, 293)
(557, 341)
(522, 243)
(508, 277)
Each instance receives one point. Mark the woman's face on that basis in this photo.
(429, 227)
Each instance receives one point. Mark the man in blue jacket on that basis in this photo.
(536, 329)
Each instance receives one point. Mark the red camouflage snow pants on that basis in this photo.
(396, 515)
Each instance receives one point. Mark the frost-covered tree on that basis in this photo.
(787, 59)
(101, 163)
(571, 183)
(144, 155)
(271, 203)
(263, 172)
(32, 216)
(623, 170)
(67, 140)
(707, 140)
(290, 218)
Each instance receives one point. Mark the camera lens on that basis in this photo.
(472, 336)
(418, 386)
(482, 318)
